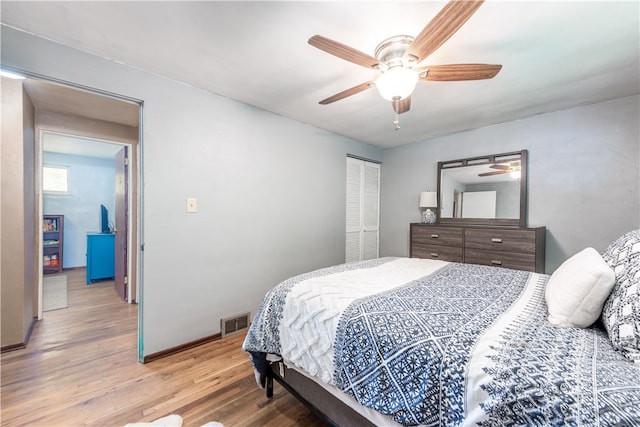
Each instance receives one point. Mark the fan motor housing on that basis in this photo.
(391, 51)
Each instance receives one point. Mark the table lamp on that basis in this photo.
(428, 199)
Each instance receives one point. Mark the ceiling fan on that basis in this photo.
(398, 58)
(512, 168)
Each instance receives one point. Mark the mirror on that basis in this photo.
(488, 190)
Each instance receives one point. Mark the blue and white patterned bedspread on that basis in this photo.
(446, 344)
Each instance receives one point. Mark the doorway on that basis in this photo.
(85, 181)
(95, 120)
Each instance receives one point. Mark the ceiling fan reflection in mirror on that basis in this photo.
(398, 59)
(512, 168)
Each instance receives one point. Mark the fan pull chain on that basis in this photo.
(396, 122)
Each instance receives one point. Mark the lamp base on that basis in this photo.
(428, 217)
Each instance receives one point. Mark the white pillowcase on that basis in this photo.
(578, 289)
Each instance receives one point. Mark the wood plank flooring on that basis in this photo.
(80, 368)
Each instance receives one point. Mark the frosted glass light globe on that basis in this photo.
(397, 83)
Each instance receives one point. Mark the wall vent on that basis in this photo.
(234, 324)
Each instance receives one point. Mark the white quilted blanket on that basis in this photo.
(313, 307)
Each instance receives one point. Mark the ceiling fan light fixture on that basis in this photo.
(397, 83)
(398, 59)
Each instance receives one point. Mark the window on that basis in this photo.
(55, 179)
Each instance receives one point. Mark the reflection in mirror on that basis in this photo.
(483, 190)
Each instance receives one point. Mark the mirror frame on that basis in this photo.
(474, 161)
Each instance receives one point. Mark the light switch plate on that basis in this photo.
(192, 204)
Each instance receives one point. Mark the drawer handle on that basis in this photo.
(496, 262)
(435, 254)
(496, 240)
(434, 236)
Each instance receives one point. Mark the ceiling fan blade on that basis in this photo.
(345, 93)
(443, 26)
(502, 167)
(343, 51)
(493, 173)
(401, 105)
(457, 72)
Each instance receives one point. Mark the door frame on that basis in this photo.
(39, 163)
(135, 222)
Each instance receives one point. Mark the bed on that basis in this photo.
(407, 341)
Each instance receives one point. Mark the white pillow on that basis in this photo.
(578, 289)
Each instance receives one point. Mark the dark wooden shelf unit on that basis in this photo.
(52, 243)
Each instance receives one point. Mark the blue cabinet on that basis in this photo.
(100, 256)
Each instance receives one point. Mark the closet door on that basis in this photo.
(363, 207)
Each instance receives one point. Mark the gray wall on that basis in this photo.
(18, 224)
(584, 180)
(271, 193)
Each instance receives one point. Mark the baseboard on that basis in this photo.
(178, 349)
(12, 347)
(22, 345)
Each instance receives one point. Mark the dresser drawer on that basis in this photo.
(508, 247)
(519, 241)
(433, 235)
(518, 261)
(443, 253)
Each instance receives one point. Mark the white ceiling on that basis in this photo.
(63, 99)
(67, 144)
(555, 55)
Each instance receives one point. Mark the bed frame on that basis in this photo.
(322, 403)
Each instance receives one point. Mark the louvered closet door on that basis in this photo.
(363, 206)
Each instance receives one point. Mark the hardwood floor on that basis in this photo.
(81, 368)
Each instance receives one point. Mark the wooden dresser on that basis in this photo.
(509, 247)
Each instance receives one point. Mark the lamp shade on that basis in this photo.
(429, 199)
(396, 83)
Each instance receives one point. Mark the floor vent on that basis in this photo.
(234, 324)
